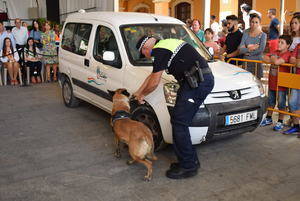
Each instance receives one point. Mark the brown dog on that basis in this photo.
(135, 134)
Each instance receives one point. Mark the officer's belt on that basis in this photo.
(206, 70)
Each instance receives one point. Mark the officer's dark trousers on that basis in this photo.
(187, 104)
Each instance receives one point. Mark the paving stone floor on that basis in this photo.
(52, 153)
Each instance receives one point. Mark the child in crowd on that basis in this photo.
(294, 101)
(32, 59)
(282, 55)
(10, 58)
(273, 30)
(222, 34)
(188, 23)
(209, 42)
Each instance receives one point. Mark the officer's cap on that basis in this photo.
(141, 42)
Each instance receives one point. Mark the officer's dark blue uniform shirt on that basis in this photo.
(183, 60)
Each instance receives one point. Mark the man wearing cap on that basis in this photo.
(178, 58)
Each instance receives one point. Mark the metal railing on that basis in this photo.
(284, 79)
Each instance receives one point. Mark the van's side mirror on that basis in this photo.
(211, 50)
(108, 56)
(111, 58)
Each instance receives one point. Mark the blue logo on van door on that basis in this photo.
(100, 75)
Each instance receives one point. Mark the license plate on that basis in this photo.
(240, 118)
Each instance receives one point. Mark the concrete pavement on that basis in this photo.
(53, 153)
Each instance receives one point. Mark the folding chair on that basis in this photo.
(5, 77)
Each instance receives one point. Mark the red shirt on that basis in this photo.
(222, 41)
(273, 71)
(296, 54)
(214, 45)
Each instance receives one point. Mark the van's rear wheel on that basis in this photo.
(149, 118)
(67, 92)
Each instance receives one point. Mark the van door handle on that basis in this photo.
(87, 62)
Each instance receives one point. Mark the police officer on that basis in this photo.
(178, 58)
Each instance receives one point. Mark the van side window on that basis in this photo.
(76, 38)
(106, 41)
(67, 39)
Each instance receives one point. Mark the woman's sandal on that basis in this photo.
(48, 79)
(33, 80)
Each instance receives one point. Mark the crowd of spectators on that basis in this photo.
(21, 48)
(250, 42)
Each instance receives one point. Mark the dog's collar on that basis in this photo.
(120, 114)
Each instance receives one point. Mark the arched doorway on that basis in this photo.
(142, 10)
(183, 11)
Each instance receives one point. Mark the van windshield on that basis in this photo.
(132, 33)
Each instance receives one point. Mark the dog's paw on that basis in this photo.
(129, 162)
(117, 154)
(147, 178)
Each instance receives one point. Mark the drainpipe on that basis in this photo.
(38, 7)
(282, 16)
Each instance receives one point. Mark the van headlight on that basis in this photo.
(170, 91)
(260, 87)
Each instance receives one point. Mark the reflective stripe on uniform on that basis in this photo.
(174, 45)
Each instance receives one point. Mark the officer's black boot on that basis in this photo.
(176, 164)
(181, 173)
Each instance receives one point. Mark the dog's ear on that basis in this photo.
(126, 93)
(111, 93)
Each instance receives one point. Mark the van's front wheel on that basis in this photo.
(148, 117)
(67, 92)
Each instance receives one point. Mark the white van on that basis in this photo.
(98, 53)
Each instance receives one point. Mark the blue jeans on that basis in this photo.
(281, 99)
(294, 101)
(187, 104)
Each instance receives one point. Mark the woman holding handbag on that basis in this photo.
(32, 59)
(49, 51)
(35, 33)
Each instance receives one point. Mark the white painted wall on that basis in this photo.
(68, 7)
(19, 8)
